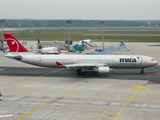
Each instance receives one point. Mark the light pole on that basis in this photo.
(69, 23)
(2, 21)
(102, 22)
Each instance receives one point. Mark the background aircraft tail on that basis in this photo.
(60, 52)
(13, 44)
(39, 44)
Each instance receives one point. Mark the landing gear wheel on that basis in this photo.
(142, 71)
(84, 73)
(79, 72)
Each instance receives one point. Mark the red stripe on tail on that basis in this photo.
(13, 44)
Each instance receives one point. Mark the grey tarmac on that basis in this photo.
(36, 93)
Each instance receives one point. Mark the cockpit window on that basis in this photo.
(152, 59)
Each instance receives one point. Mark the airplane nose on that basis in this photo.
(156, 62)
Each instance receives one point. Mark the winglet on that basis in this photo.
(60, 52)
(59, 64)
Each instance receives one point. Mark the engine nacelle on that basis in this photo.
(103, 70)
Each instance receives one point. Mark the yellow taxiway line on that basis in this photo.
(41, 76)
(51, 101)
(134, 87)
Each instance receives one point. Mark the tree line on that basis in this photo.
(82, 23)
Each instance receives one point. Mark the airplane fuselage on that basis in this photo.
(83, 42)
(49, 50)
(112, 61)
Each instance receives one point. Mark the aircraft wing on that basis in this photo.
(17, 56)
(82, 65)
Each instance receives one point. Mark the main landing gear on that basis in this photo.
(79, 72)
(142, 71)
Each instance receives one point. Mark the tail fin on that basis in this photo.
(13, 44)
(39, 44)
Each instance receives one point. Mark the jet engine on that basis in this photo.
(102, 70)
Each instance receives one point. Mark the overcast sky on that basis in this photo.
(81, 9)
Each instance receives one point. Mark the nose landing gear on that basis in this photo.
(142, 71)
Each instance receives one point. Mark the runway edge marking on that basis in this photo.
(51, 101)
(134, 87)
(41, 76)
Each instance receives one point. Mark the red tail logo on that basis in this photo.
(13, 44)
(138, 57)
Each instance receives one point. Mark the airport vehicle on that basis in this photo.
(110, 49)
(80, 48)
(48, 50)
(101, 64)
(0, 96)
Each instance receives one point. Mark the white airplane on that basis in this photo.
(48, 50)
(81, 63)
(84, 42)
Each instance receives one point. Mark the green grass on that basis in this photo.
(76, 34)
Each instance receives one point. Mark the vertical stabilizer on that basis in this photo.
(39, 44)
(13, 44)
